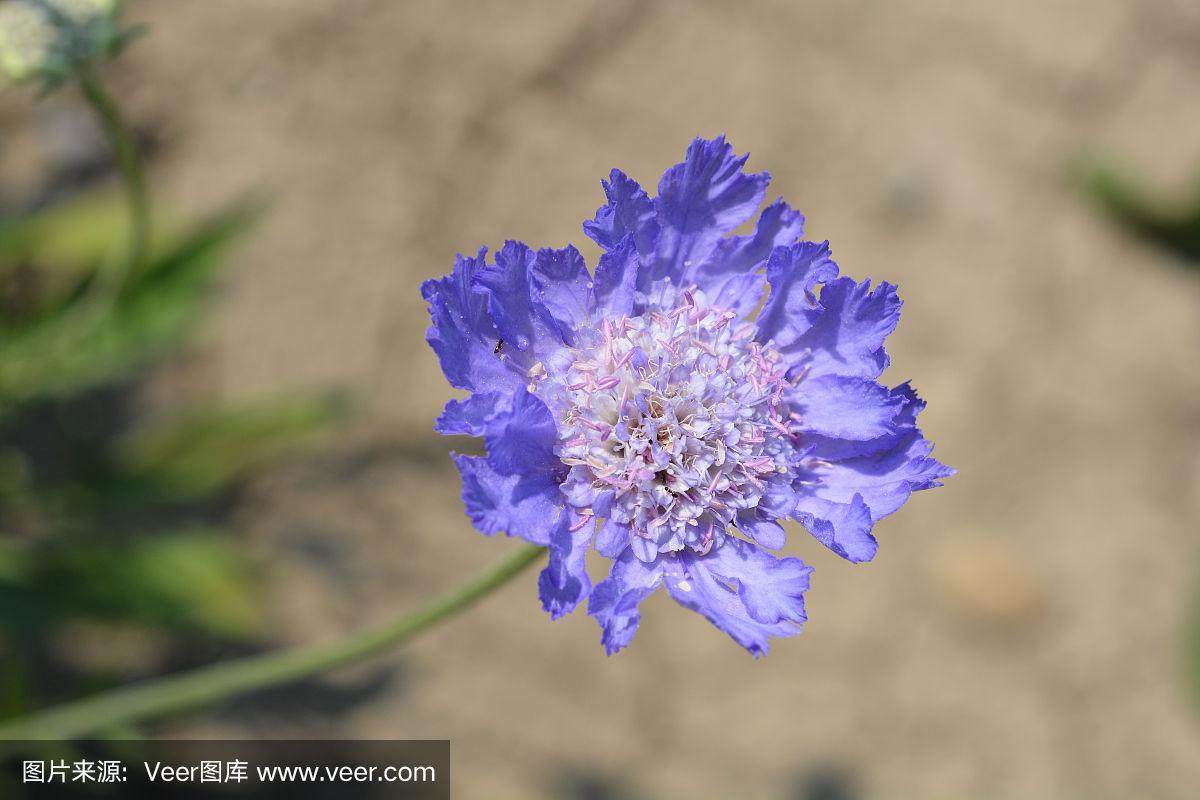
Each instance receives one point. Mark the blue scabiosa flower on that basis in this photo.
(648, 410)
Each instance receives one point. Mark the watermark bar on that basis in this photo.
(292, 769)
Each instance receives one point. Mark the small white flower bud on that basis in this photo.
(47, 38)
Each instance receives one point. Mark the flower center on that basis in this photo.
(674, 423)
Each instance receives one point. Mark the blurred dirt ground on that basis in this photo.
(1020, 633)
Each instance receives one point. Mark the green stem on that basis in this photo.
(129, 163)
(207, 685)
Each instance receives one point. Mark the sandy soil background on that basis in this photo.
(1020, 633)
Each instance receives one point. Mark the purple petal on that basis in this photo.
(771, 588)
(463, 334)
(846, 337)
(845, 408)
(856, 484)
(766, 532)
(522, 439)
(562, 284)
(616, 280)
(615, 600)
(613, 538)
(779, 497)
(527, 506)
(883, 479)
(629, 212)
(470, 417)
(643, 549)
(793, 273)
(564, 583)
(845, 528)
(778, 225)
(830, 448)
(743, 590)
(522, 322)
(700, 201)
(741, 293)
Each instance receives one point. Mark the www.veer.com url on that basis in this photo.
(347, 774)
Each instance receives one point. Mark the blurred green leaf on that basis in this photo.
(13, 563)
(1191, 646)
(182, 581)
(69, 238)
(198, 453)
(1175, 229)
(14, 689)
(189, 263)
(86, 344)
(48, 258)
